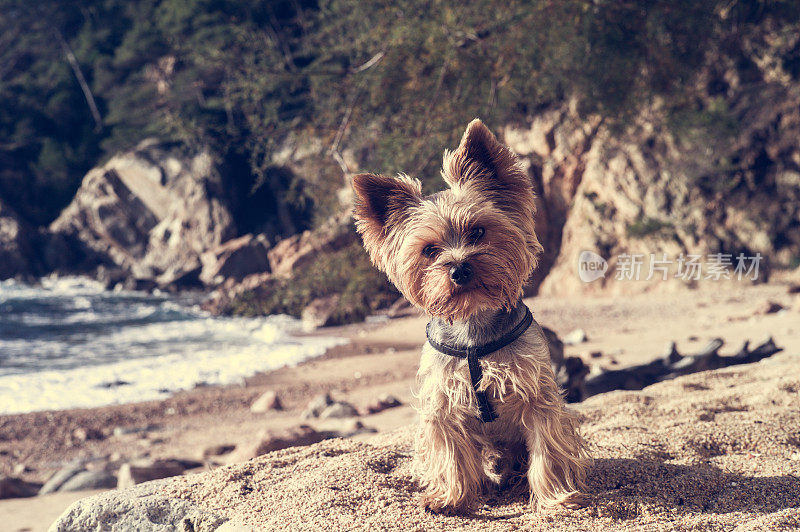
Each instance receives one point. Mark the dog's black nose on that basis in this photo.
(461, 274)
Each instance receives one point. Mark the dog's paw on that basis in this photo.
(570, 501)
(435, 505)
(576, 500)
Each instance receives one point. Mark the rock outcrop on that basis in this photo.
(152, 212)
(139, 508)
(235, 259)
(284, 260)
(722, 177)
(692, 453)
(298, 250)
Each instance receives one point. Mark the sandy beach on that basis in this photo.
(381, 358)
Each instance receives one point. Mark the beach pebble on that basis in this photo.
(768, 307)
(268, 442)
(137, 472)
(89, 480)
(316, 406)
(60, 477)
(339, 410)
(20, 469)
(384, 401)
(11, 487)
(187, 463)
(268, 401)
(578, 336)
(217, 450)
(318, 313)
(352, 427)
(124, 431)
(82, 434)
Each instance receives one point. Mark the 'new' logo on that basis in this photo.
(591, 266)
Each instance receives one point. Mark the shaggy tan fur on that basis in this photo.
(531, 416)
(485, 220)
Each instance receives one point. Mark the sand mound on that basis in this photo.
(717, 450)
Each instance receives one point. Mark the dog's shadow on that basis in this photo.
(625, 489)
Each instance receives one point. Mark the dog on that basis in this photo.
(491, 412)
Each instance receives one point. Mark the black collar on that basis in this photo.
(472, 354)
(483, 350)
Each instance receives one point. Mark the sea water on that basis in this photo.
(68, 343)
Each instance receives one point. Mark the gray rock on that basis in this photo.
(235, 259)
(338, 410)
(297, 250)
(89, 480)
(124, 431)
(17, 256)
(60, 477)
(151, 212)
(217, 450)
(186, 463)
(268, 442)
(384, 401)
(350, 428)
(11, 487)
(140, 508)
(316, 406)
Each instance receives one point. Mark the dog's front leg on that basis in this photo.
(448, 462)
(558, 458)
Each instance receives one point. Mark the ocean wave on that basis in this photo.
(70, 344)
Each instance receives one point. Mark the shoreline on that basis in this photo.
(79, 346)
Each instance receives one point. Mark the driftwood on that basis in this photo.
(574, 373)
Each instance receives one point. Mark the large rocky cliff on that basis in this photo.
(721, 175)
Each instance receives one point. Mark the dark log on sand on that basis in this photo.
(573, 375)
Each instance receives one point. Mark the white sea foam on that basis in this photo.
(99, 348)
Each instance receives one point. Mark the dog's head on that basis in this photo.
(467, 248)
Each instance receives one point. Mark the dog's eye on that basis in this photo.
(476, 234)
(430, 251)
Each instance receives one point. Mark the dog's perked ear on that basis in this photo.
(382, 204)
(483, 165)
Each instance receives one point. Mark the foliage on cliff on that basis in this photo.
(390, 82)
(348, 273)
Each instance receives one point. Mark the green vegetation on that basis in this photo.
(348, 272)
(647, 226)
(392, 81)
(600, 206)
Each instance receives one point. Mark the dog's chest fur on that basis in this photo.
(511, 375)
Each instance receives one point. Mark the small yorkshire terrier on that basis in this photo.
(489, 403)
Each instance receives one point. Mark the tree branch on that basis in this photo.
(76, 69)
